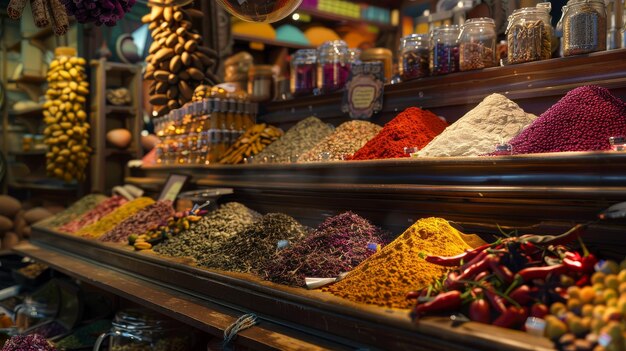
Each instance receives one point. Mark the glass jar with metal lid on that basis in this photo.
(303, 78)
(414, 56)
(261, 83)
(140, 330)
(529, 34)
(477, 44)
(444, 50)
(584, 27)
(380, 55)
(333, 66)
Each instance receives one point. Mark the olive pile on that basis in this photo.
(177, 60)
(67, 130)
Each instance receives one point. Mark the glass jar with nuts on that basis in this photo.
(477, 48)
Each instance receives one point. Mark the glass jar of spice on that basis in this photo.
(584, 27)
(333, 66)
(140, 330)
(380, 55)
(414, 55)
(261, 83)
(444, 50)
(303, 72)
(529, 34)
(477, 47)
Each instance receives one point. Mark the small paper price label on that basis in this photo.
(363, 96)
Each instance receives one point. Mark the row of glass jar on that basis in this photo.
(202, 148)
(529, 38)
(207, 114)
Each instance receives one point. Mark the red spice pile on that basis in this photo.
(412, 127)
(583, 120)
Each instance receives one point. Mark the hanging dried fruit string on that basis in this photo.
(60, 21)
(45, 13)
(16, 8)
(178, 62)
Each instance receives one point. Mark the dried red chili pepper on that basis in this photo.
(481, 256)
(479, 311)
(476, 268)
(503, 272)
(528, 274)
(447, 301)
(521, 295)
(497, 302)
(539, 310)
(510, 318)
(452, 261)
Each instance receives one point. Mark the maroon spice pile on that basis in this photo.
(583, 120)
(338, 245)
(102, 209)
(413, 127)
(141, 222)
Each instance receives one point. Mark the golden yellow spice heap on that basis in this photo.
(109, 221)
(385, 277)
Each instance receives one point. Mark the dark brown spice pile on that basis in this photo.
(251, 249)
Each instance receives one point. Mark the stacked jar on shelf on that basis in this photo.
(201, 131)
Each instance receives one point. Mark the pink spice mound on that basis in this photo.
(583, 120)
(412, 127)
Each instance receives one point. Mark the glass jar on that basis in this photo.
(303, 72)
(261, 83)
(584, 27)
(444, 50)
(477, 44)
(236, 69)
(139, 330)
(529, 35)
(333, 66)
(380, 55)
(32, 312)
(414, 56)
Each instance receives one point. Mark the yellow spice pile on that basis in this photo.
(109, 221)
(384, 278)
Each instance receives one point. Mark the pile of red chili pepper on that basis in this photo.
(506, 282)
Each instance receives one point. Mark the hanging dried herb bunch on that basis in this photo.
(338, 245)
(251, 249)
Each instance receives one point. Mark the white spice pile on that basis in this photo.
(496, 119)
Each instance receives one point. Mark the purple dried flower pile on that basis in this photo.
(34, 342)
(583, 120)
(338, 245)
(99, 12)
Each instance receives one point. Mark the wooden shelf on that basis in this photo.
(43, 187)
(29, 79)
(118, 66)
(329, 16)
(520, 190)
(28, 153)
(35, 112)
(271, 42)
(534, 86)
(112, 151)
(130, 111)
(336, 321)
(204, 315)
